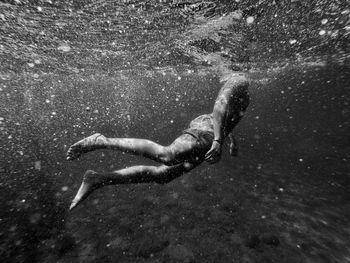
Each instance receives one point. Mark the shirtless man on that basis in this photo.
(201, 141)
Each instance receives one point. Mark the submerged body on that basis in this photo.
(202, 140)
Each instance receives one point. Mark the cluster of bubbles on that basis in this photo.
(76, 37)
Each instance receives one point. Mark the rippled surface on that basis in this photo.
(145, 69)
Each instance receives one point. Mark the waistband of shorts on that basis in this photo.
(196, 132)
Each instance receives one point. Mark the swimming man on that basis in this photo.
(201, 141)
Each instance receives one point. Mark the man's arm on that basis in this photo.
(220, 113)
(219, 119)
(232, 90)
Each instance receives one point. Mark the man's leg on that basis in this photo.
(146, 148)
(131, 175)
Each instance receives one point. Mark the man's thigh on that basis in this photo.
(166, 174)
(188, 148)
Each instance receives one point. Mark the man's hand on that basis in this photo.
(233, 145)
(214, 154)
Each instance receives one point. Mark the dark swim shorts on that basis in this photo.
(201, 128)
(205, 138)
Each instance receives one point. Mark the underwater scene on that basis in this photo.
(146, 69)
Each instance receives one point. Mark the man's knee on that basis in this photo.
(165, 174)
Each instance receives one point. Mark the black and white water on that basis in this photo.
(139, 69)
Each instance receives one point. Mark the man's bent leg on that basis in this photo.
(131, 175)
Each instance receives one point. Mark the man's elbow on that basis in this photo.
(221, 102)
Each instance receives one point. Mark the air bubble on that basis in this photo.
(64, 47)
(37, 165)
(250, 19)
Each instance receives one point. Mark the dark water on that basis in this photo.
(136, 68)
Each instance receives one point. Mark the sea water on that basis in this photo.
(139, 69)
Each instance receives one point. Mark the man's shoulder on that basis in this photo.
(239, 78)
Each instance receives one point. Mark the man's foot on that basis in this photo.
(85, 145)
(89, 184)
